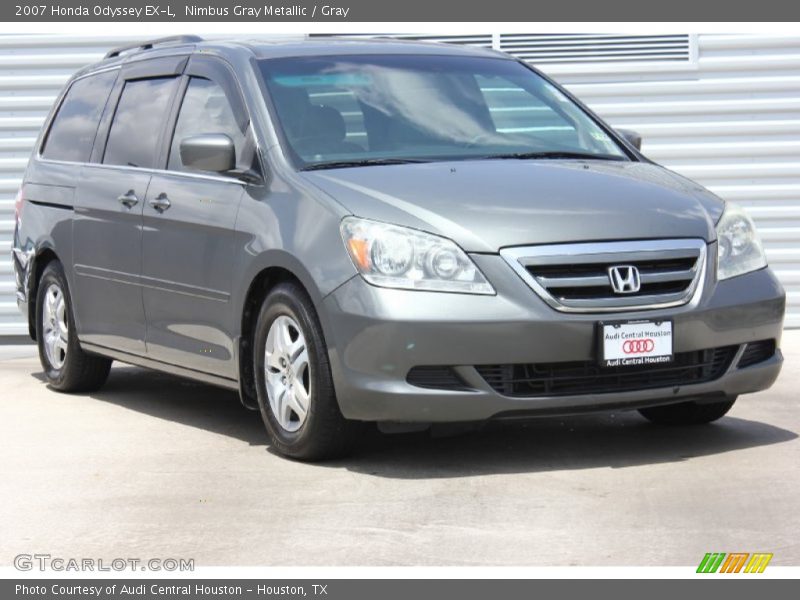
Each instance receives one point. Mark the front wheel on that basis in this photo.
(688, 413)
(66, 366)
(293, 380)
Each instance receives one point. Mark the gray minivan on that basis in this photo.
(352, 231)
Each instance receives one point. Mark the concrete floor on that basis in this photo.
(154, 466)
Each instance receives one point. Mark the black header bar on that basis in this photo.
(338, 11)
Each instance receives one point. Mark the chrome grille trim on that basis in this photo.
(650, 253)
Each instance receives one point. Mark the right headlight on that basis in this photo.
(400, 257)
(739, 247)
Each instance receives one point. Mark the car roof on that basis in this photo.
(322, 46)
(285, 48)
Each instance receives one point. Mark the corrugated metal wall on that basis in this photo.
(728, 118)
(731, 122)
(33, 68)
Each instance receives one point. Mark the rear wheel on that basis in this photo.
(293, 380)
(688, 413)
(66, 366)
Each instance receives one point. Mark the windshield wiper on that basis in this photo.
(553, 154)
(362, 162)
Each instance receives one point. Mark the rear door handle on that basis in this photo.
(129, 199)
(160, 202)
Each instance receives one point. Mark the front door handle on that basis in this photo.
(129, 199)
(160, 202)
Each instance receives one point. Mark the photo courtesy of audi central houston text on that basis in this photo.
(360, 233)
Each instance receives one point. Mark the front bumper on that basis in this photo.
(376, 336)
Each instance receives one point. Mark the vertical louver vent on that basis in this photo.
(546, 48)
(570, 48)
(480, 40)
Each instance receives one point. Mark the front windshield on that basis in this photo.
(342, 110)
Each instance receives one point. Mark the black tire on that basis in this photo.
(688, 413)
(325, 433)
(79, 371)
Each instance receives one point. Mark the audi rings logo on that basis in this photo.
(640, 346)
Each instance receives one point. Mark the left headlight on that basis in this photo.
(400, 257)
(739, 247)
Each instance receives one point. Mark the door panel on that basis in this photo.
(187, 257)
(109, 201)
(107, 237)
(189, 240)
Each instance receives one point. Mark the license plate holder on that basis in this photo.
(635, 343)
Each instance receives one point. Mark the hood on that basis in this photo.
(490, 204)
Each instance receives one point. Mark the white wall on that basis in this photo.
(731, 122)
(728, 118)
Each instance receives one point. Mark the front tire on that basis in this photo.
(293, 380)
(688, 413)
(66, 366)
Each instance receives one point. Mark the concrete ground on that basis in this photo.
(154, 466)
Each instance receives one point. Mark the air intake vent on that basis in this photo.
(477, 40)
(568, 48)
(756, 352)
(613, 276)
(438, 378)
(546, 48)
(576, 378)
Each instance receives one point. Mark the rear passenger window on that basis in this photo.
(74, 127)
(205, 109)
(138, 122)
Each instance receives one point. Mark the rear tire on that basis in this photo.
(66, 366)
(688, 413)
(293, 380)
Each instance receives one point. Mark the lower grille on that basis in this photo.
(437, 378)
(587, 377)
(756, 352)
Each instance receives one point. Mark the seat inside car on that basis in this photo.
(312, 128)
(324, 130)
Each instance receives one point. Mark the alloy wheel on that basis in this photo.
(54, 326)
(287, 372)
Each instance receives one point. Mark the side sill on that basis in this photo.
(149, 363)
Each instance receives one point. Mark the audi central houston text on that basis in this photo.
(356, 231)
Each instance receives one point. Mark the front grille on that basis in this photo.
(756, 352)
(436, 377)
(575, 277)
(587, 377)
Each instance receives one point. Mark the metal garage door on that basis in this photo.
(729, 118)
(724, 110)
(33, 68)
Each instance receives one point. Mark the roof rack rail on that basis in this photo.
(173, 39)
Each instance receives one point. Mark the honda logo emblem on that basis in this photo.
(624, 279)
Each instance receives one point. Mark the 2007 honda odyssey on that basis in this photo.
(403, 233)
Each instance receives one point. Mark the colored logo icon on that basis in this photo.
(735, 562)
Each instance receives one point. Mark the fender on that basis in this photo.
(285, 264)
(29, 264)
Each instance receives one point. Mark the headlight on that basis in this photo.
(739, 247)
(400, 257)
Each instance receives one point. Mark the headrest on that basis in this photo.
(289, 97)
(324, 123)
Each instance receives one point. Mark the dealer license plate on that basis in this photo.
(635, 343)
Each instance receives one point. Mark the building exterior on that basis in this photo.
(721, 109)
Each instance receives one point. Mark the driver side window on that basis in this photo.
(206, 110)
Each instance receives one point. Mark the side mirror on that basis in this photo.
(630, 136)
(208, 152)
